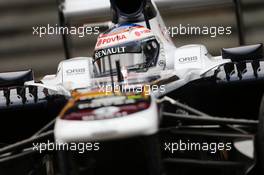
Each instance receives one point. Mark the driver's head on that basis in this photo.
(134, 46)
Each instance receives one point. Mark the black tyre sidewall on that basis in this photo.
(260, 139)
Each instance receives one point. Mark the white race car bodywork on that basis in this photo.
(187, 63)
(71, 74)
(142, 123)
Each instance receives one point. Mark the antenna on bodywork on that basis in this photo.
(239, 19)
(120, 77)
(111, 74)
(62, 24)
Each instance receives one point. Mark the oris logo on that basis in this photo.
(188, 59)
(75, 71)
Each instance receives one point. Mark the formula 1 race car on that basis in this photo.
(138, 106)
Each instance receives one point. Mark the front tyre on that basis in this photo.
(260, 139)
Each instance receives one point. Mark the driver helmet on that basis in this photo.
(134, 46)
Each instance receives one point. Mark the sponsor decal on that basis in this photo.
(75, 71)
(138, 33)
(112, 39)
(113, 33)
(121, 29)
(106, 112)
(109, 51)
(188, 59)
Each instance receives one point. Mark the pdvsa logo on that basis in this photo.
(112, 39)
(188, 59)
(75, 71)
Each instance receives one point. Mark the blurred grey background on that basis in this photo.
(20, 49)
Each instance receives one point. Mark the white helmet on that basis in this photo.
(134, 46)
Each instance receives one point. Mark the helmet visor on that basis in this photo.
(133, 55)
